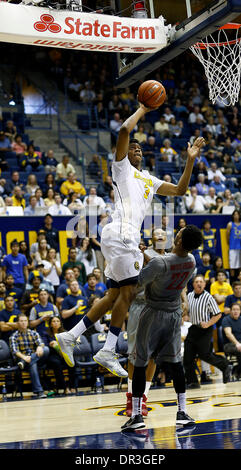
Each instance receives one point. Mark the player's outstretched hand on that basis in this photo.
(193, 151)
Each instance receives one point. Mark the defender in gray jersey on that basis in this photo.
(159, 329)
(159, 238)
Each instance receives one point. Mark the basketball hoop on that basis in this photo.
(221, 59)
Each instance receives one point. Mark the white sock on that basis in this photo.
(181, 402)
(129, 385)
(148, 384)
(111, 341)
(78, 329)
(136, 406)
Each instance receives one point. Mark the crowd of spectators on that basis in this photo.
(52, 296)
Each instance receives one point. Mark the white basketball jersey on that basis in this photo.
(133, 192)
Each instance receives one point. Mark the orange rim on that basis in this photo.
(229, 26)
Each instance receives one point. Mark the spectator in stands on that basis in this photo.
(209, 238)
(217, 184)
(168, 151)
(10, 184)
(42, 252)
(94, 205)
(195, 203)
(103, 188)
(95, 235)
(72, 184)
(202, 188)
(86, 255)
(140, 135)
(196, 115)
(16, 264)
(73, 202)
(17, 197)
(5, 146)
(110, 202)
(215, 171)
(52, 268)
(93, 168)
(74, 89)
(10, 130)
(218, 209)
(35, 246)
(181, 224)
(74, 305)
(72, 262)
(12, 290)
(168, 114)
(162, 127)
(49, 200)
(2, 206)
(58, 208)
(210, 198)
(232, 332)
(220, 289)
(30, 297)
(18, 146)
(51, 233)
(115, 104)
(38, 195)
(45, 284)
(90, 287)
(28, 349)
(228, 166)
(31, 208)
(87, 94)
(233, 233)
(101, 286)
(206, 266)
(8, 318)
(32, 184)
(150, 148)
(234, 298)
(115, 123)
(148, 128)
(175, 128)
(24, 250)
(49, 184)
(55, 359)
(232, 200)
(63, 289)
(41, 313)
(31, 161)
(180, 109)
(217, 265)
(64, 168)
(2, 295)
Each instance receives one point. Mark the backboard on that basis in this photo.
(189, 20)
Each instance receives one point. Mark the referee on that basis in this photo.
(203, 314)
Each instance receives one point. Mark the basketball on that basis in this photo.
(151, 93)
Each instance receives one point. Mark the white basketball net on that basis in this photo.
(221, 59)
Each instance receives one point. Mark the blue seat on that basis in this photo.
(165, 167)
(97, 341)
(83, 122)
(122, 343)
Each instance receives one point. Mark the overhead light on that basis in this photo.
(12, 103)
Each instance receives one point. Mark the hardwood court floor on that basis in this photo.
(93, 421)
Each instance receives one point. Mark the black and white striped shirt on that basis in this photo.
(201, 307)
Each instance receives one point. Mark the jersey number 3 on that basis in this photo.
(178, 281)
(147, 191)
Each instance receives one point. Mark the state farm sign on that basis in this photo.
(32, 25)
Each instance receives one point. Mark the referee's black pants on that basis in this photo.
(199, 343)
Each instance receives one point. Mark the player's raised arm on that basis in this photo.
(169, 189)
(127, 127)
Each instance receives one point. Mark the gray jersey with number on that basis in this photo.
(164, 278)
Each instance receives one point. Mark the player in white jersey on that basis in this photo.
(134, 190)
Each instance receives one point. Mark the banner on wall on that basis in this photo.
(26, 228)
(24, 24)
